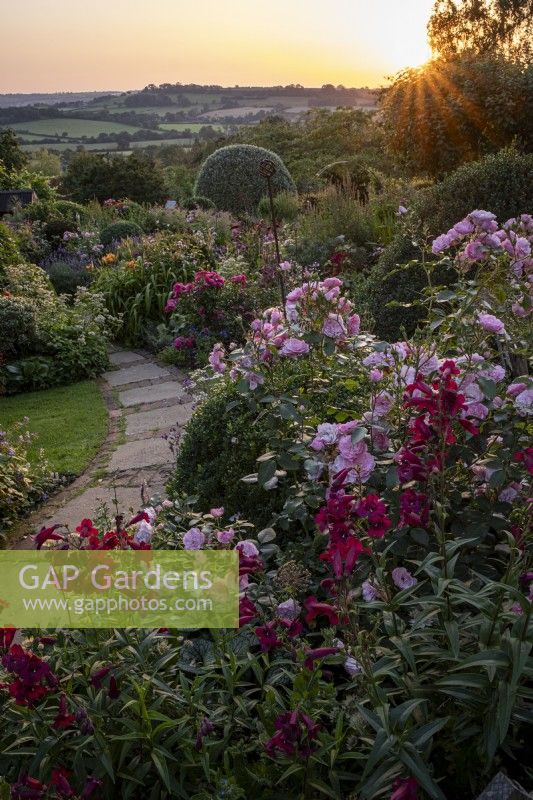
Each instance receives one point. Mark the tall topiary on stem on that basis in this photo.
(231, 179)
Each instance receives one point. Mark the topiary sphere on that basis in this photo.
(117, 231)
(230, 178)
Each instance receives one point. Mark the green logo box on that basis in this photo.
(119, 589)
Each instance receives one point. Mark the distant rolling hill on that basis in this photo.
(162, 114)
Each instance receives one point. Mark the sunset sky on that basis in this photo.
(54, 45)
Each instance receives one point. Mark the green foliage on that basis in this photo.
(18, 333)
(74, 213)
(230, 178)
(219, 448)
(70, 341)
(46, 162)
(500, 183)
(489, 26)
(287, 206)
(119, 230)
(317, 139)
(229, 431)
(22, 484)
(137, 281)
(26, 179)
(8, 251)
(65, 279)
(91, 176)
(56, 229)
(11, 154)
(457, 110)
(198, 201)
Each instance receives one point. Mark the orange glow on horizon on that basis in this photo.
(71, 45)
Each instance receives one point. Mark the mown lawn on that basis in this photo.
(70, 423)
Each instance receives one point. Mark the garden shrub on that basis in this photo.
(117, 231)
(9, 253)
(385, 649)
(71, 212)
(230, 178)
(226, 435)
(286, 207)
(22, 485)
(70, 341)
(217, 450)
(500, 183)
(212, 308)
(67, 275)
(198, 201)
(135, 280)
(18, 332)
(55, 230)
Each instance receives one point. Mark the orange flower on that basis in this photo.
(131, 264)
(109, 258)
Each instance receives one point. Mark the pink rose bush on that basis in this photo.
(317, 321)
(386, 612)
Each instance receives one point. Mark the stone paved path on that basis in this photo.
(145, 401)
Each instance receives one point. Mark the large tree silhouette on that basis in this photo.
(503, 27)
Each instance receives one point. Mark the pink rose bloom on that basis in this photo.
(524, 402)
(522, 247)
(509, 494)
(491, 323)
(194, 539)
(402, 578)
(378, 359)
(170, 305)
(352, 666)
(216, 358)
(361, 467)
(383, 403)
(225, 537)
(474, 251)
(348, 427)
(294, 348)
(370, 593)
(482, 218)
(428, 363)
(334, 326)
(326, 434)
(288, 610)
(331, 283)
(331, 294)
(464, 227)
(515, 388)
(494, 373)
(441, 243)
(247, 548)
(354, 324)
(217, 512)
(477, 410)
(519, 311)
(240, 279)
(295, 295)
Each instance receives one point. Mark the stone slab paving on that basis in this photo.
(141, 453)
(144, 461)
(158, 419)
(141, 372)
(121, 357)
(168, 390)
